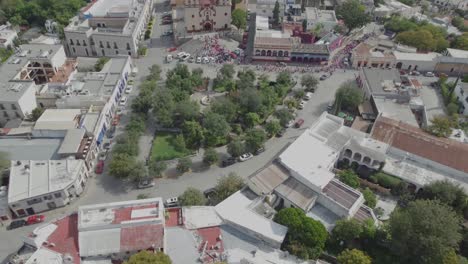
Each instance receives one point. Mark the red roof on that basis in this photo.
(174, 215)
(210, 237)
(65, 237)
(413, 140)
(141, 237)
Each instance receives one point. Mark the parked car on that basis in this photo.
(128, 89)
(103, 155)
(429, 74)
(111, 132)
(245, 157)
(198, 60)
(172, 202)
(168, 58)
(323, 77)
(99, 167)
(166, 22)
(258, 151)
(119, 112)
(146, 183)
(299, 123)
(35, 219)
(302, 104)
(228, 162)
(415, 73)
(290, 124)
(106, 145)
(16, 224)
(330, 106)
(191, 59)
(308, 96)
(116, 120)
(209, 192)
(123, 101)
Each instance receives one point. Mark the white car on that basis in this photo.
(168, 58)
(174, 201)
(308, 96)
(198, 60)
(180, 54)
(429, 74)
(206, 60)
(245, 156)
(123, 101)
(128, 89)
(290, 123)
(184, 57)
(119, 112)
(302, 104)
(212, 60)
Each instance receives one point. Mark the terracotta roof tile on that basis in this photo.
(65, 237)
(141, 237)
(415, 141)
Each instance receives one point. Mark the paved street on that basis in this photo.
(105, 188)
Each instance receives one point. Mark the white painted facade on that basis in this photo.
(7, 36)
(17, 100)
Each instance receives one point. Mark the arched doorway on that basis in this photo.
(208, 26)
(399, 65)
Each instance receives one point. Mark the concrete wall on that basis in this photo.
(421, 66)
(331, 205)
(252, 233)
(18, 109)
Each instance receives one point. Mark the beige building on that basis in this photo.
(108, 28)
(200, 16)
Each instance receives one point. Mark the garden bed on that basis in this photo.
(163, 147)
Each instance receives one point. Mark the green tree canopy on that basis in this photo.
(276, 13)
(370, 197)
(440, 126)
(239, 18)
(447, 193)
(4, 161)
(348, 96)
(284, 78)
(251, 120)
(225, 107)
(163, 106)
(121, 165)
(192, 197)
(154, 73)
(156, 168)
(254, 139)
(353, 256)
(272, 127)
(236, 148)
(184, 164)
(349, 177)
(309, 82)
(347, 230)
(306, 237)
(36, 113)
(284, 116)
(193, 134)
(216, 129)
(353, 14)
(210, 156)
(226, 186)
(424, 232)
(461, 42)
(147, 257)
(186, 110)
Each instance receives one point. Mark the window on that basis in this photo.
(100, 44)
(84, 42)
(87, 53)
(47, 197)
(129, 53)
(17, 115)
(71, 42)
(98, 24)
(225, 14)
(116, 52)
(34, 201)
(5, 114)
(78, 42)
(108, 44)
(103, 53)
(193, 16)
(57, 195)
(74, 50)
(2, 107)
(115, 45)
(128, 46)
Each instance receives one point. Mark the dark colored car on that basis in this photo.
(323, 77)
(17, 224)
(106, 145)
(145, 183)
(281, 133)
(299, 123)
(209, 192)
(228, 162)
(258, 151)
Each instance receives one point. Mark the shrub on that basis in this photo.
(385, 180)
(184, 165)
(349, 177)
(370, 197)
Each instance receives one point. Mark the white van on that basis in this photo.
(168, 58)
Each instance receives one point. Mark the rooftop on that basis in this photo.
(200, 217)
(457, 53)
(267, 179)
(324, 215)
(244, 217)
(392, 109)
(415, 141)
(297, 193)
(341, 193)
(34, 178)
(178, 238)
(311, 48)
(12, 91)
(382, 80)
(58, 119)
(72, 141)
(318, 15)
(30, 149)
(431, 56)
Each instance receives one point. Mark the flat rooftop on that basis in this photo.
(30, 149)
(377, 79)
(34, 178)
(297, 193)
(200, 217)
(318, 15)
(392, 109)
(267, 179)
(12, 91)
(58, 119)
(341, 193)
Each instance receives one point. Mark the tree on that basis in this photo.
(452, 108)
(4, 161)
(447, 193)
(179, 143)
(210, 156)
(353, 14)
(36, 113)
(143, 102)
(156, 168)
(184, 164)
(272, 127)
(276, 14)
(353, 256)
(236, 148)
(226, 108)
(239, 18)
(284, 116)
(424, 232)
(306, 237)
(346, 231)
(254, 139)
(192, 197)
(304, 24)
(370, 197)
(147, 257)
(309, 82)
(284, 78)
(349, 177)
(461, 42)
(187, 110)
(216, 129)
(348, 96)
(121, 165)
(193, 134)
(440, 126)
(139, 171)
(227, 186)
(100, 63)
(251, 120)
(227, 71)
(163, 106)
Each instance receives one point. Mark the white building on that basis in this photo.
(108, 28)
(7, 36)
(41, 185)
(422, 62)
(17, 100)
(461, 91)
(395, 7)
(265, 8)
(325, 18)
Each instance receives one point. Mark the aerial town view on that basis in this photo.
(233, 131)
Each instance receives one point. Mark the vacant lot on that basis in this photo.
(163, 147)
